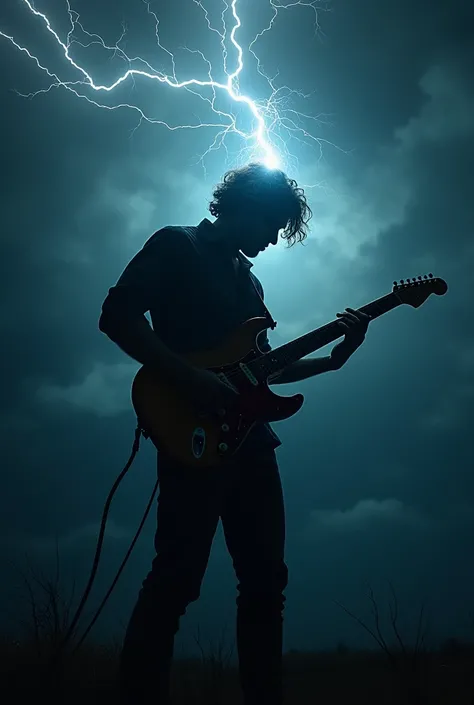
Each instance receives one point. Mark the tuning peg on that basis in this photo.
(430, 275)
(425, 277)
(420, 278)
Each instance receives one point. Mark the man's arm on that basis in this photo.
(299, 370)
(354, 324)
(138, 340)
(303, 369)
(147, 280)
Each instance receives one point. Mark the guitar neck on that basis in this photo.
(276, 360)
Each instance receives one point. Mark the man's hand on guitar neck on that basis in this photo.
(355, 324)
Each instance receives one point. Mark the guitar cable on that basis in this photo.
(95, 563)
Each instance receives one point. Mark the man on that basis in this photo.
(197, 284)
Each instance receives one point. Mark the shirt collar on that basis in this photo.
(208, 232)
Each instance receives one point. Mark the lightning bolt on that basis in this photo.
(272, 122)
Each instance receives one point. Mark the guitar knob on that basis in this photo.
(225, 427)
(223, 447)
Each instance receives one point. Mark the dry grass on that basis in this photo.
(445, 677)
(396, 673)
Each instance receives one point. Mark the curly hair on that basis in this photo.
(256, 186)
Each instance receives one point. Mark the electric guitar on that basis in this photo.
(176, 427)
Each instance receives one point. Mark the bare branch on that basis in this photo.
(380, 642)
(394, 618)
(375, 612)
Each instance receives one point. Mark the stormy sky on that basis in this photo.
(378, 466)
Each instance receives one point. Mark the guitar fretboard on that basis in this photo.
(276, 360)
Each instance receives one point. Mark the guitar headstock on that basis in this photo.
(415, 291)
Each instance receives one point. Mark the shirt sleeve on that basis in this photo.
(147, 279)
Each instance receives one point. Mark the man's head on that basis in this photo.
(254, 205)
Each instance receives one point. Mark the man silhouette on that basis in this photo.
(197, 284)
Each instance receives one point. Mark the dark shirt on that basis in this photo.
(186, 278)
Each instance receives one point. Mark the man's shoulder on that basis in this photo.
(173, 236)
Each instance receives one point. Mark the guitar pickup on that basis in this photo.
(251, 377)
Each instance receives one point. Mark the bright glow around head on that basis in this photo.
(271, 161)
(271, 122)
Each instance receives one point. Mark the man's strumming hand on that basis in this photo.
(208, 393)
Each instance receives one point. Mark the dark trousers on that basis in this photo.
(247, 496)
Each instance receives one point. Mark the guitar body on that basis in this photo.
(178, 429)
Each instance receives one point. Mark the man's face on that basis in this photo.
(255, 231)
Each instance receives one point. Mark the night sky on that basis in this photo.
(378, 466)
